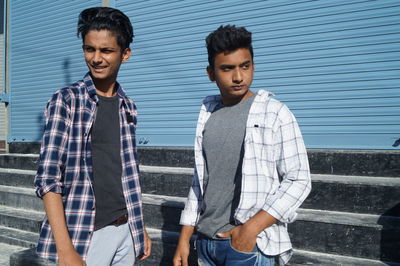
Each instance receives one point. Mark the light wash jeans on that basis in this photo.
(111, 245)
(212, 252)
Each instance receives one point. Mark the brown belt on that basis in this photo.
(121, 220)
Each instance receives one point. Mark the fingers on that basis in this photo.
(226, 234)
(180, 262)
(147, 247)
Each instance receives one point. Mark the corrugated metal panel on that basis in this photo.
(45, 55)
(336, 64)
(2, 105)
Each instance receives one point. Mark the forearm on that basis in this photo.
(259, 222)
(55, 212)
(186, 233)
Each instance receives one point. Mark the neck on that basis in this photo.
(105, 88)
(232, 101)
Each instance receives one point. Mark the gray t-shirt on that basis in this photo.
(107, 166)
(223, 138)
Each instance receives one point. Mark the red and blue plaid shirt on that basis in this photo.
(66, 167)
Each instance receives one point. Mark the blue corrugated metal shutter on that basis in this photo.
(45, 55)
(336, 64)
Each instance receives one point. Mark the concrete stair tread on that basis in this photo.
(18, 237)
(17, 190)
(358, 219)
(22, 213)
(6, 251)
(351, 179)
(325, 216)
(162, 237)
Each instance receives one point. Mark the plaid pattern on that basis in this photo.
(66, 167)
(275, 173)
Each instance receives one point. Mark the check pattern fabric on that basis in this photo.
(275, 171)
(65, 165)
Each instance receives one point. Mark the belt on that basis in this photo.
(121, 220)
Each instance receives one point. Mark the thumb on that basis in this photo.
(226, 234)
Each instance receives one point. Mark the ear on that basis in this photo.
(126, 54)
(211, 73)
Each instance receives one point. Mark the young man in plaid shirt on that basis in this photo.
(88, 171)
(251, 171)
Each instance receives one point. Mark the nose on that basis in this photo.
(97, 59)
(237, 76)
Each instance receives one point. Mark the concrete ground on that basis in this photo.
(6, 251)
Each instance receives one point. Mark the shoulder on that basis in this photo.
(266, 103)
(75, 90)
(211, 99)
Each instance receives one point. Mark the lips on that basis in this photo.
(98, 68)
(238, 87)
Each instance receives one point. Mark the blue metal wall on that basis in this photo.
(336, 64)
(45, 55)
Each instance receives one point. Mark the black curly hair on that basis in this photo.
(106, 18)
(227, 38)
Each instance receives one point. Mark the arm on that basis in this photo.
(48, 180)
(55, 212)
(183, 248)
(292, 166)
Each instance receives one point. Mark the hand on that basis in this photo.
(182, 254)
(242, 239)
(70, 258)
(147, 246)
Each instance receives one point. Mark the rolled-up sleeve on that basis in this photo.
(53, 151)
(293, 168)
(191, 211)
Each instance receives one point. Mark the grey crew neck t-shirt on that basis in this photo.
(107, 166)
(223, 139)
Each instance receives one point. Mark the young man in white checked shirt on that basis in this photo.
(251, 166)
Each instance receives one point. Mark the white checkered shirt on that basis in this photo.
(275, 171)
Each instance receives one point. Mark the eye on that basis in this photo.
(107, 51)
(226, 68)
(88, 49)
(246, 66)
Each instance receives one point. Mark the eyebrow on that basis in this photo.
(241, 64)
(90, 46)
(245, 63)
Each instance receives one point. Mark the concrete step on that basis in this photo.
(19, 161)
(17, 237)
(19, 197)
(17, 177)
(6, 251)
(317, 230)
(323, 231)
(21, 219)
(335, 162)
(360, 194)
(164, 244)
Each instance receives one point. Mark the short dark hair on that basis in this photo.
(227, 38)
(106, 18)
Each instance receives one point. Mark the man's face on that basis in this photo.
(103, 55)
(233, 74)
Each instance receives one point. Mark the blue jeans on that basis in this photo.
(212, 252)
